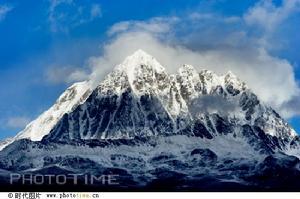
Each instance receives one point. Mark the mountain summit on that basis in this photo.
(149, 126)
(137, 59)
(139, 98)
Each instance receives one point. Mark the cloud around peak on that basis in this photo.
(207, 41)
(65, 74)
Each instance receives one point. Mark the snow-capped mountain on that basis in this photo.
(193, 130)
(139, 98)
(67, 101)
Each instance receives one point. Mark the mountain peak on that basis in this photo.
(231, 79)
(140, 53)
(136, 64)
(231, 75)
(187, 69)
(139, 58)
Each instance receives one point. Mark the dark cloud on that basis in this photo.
(292, 107)
(213, 103)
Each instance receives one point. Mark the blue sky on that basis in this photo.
(42, 42)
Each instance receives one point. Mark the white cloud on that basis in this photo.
(269, 16)
(154, 25)
(4, 9)
(65, 74)
(119, 27)
(17, 122)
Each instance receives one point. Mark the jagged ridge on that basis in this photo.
(139, 98)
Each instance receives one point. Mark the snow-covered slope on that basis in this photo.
(41, 126)
(139, 98)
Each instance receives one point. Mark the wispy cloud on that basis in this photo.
(154, 25)
(268, 16)
(96, 11)
(65, 74)
(4, 9)
(66, 14)
(18, 122)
